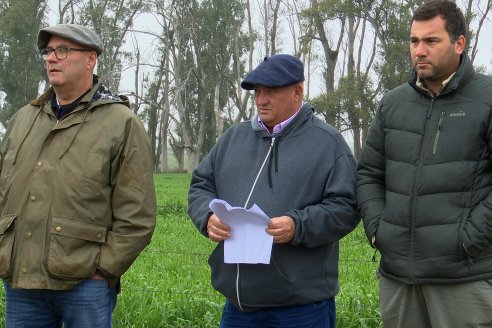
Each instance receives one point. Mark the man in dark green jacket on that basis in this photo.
(425, 180)
(77, 198)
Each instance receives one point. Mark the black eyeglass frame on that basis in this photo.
(61, 53)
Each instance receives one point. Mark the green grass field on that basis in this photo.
(169, 284)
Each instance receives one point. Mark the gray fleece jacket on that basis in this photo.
(310, 176)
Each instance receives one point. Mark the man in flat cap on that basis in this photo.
(301, 173)
(77, 200)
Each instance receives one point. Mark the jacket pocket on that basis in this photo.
(74, 248)
(7, 238)
(93, 172)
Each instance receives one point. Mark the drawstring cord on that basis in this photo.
(273, 156)
(268, 156)
(259, 172)
(84, 119)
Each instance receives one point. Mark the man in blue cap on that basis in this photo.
(301, 173)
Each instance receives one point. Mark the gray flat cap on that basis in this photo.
(73, 32)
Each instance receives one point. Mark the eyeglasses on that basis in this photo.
(60, 52)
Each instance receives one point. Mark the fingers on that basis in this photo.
(282, 229)
(216, 230)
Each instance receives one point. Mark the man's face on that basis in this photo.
(72, 70)
(275, 105)
(434, 56)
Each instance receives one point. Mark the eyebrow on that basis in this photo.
(425, 38)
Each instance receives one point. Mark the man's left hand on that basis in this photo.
(282, 229)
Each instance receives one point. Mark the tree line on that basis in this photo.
(188, 91)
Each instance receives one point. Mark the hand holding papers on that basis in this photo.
(249, 243)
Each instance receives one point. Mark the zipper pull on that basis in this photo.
(438, 132)
(441, 120)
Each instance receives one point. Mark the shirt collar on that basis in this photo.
(420, 83)
(279, 127)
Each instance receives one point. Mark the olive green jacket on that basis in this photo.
(76, 195)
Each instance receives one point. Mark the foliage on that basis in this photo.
(209, 32)
(353, 97)
(194, 95)
(111, 20)
(20, 65)
(391, 21)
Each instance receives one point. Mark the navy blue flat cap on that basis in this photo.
(275, 72)
(76, 33)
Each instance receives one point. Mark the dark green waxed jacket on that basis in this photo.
(76, 195)
(425, 180)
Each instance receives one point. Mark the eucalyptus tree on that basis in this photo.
(21, 67)
(156, 110)
(111, 20)
(320, 18)
(205, 38)
(390, 20)
(365, 47)
(477, 13)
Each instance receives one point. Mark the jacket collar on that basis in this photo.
(304, 114)
(464, 73)
(96, 95)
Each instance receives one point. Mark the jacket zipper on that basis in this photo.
(245, 206)
(411, 269)
(438, 133)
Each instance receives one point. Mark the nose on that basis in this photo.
(420, 50)
(51, 56)
(260, 99)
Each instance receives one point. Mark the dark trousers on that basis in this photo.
(316, 315)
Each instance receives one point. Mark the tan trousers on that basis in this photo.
(466, 305)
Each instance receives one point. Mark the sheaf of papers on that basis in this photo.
(249, 242)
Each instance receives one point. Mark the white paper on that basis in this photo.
(249, 242)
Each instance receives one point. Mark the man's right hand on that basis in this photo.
(216, 230)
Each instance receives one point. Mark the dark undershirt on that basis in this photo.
(61, 110)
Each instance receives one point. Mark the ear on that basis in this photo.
(91, 60)
(459, 45)
(299, 92)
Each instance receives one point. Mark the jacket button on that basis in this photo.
(33, 198)
(58, 228)
(40, 163)
(29, 235)
(24, 270)
(99, 235)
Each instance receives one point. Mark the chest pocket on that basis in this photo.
(461, 134)
(93, 174)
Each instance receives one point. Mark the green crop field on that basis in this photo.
(169, 284)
